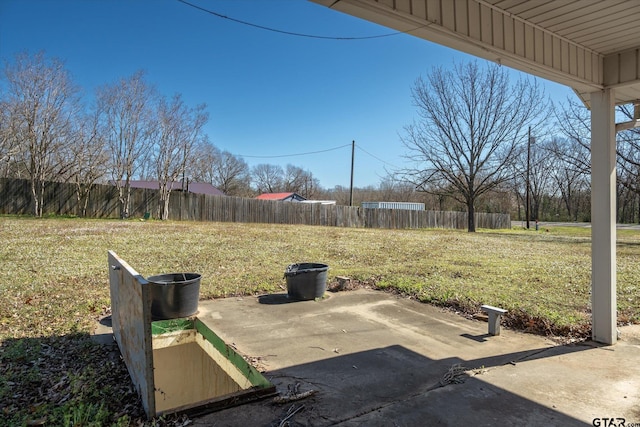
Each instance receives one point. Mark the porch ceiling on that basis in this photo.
(585, 44)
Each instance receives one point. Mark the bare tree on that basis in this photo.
(267, 178)
(179, 128)
(310, 187)
(570, 172)
(293, 179)
(297, 180)
(394, 190)
(126, 126)
(227, 172)
(472, 122)
(9, 149)
(231, 174)
(201, 169)
(541, 162)
(572, 169)
(574, 122)
(338, 193)
(628, 192)
(39, 108)
(90, 158)
(628, 143)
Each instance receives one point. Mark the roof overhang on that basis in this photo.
(587, 45)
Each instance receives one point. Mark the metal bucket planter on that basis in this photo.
(174, 295)
(306, 281)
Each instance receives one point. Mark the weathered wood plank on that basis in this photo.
(131, 322)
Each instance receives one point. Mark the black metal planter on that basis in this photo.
(306, 281)
(174, 295)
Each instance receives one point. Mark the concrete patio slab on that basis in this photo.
(377, 359)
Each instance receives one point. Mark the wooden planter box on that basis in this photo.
(177, 365)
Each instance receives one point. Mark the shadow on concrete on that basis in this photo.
(529, 355)
(275, 299)
(395, 386)
(477, 338)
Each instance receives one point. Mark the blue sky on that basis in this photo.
(268, 94)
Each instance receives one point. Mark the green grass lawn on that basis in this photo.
(54, 285)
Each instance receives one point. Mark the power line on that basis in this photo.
(291, 33)
(375, 157)
(318, 152)
(294, 155)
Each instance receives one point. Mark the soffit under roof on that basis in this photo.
(585, 44)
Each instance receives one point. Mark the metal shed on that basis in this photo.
(394, 205)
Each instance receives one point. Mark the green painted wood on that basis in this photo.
(251, 373)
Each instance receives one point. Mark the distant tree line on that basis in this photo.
(130, 132)
(467, 150)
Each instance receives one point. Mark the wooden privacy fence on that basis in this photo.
(61, 199)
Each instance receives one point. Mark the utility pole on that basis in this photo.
(528, 168)
(353, 150)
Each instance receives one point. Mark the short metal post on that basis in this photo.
(494, 315)
(494, 323)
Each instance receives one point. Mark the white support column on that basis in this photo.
(603, 217)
